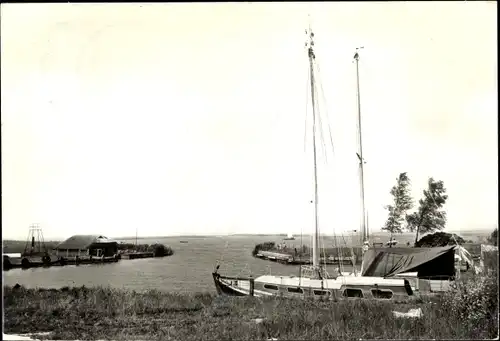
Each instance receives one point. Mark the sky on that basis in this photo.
(177, 119)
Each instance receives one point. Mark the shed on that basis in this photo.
(94, 245)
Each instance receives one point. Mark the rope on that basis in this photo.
(342, 262)
(221, 258)
(320, 124)
(324, 99)
(307, 107)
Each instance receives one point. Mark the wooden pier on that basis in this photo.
(136, 255)
(287, 258)
(36, 261)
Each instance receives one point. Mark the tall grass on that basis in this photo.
(470, 311)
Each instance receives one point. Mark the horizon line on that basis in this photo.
(249, 234)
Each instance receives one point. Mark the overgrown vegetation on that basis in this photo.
(159, 250)
(402, 203)
(440, 239)
(267, 246)
(470, 311)
(493, 238)
(475, 302)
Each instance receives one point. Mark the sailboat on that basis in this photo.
(314, 281)
(289, 237)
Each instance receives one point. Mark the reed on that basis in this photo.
(107, 313)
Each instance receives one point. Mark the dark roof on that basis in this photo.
(82, 242)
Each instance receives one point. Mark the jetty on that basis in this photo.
(136, 255)
(286, 258)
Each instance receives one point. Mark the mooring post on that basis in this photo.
(251, 286)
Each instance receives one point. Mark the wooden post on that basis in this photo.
(252, 284)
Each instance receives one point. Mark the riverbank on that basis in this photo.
(105, 313)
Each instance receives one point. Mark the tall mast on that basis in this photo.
(364, 229)
(311, 56)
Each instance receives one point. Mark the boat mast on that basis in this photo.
(364, 230)
(311, 56)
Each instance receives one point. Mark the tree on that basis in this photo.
(160, 250)
(402, 203)
(493, 238)
(439, 239)
(429, 217)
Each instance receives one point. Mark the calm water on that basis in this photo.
(189, 269)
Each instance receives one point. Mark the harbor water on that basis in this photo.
(188, 270)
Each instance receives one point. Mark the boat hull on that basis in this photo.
(225, 289)
(330, 289)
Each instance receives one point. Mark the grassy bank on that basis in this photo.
(105, 313)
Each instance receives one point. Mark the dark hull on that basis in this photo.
(224, 289)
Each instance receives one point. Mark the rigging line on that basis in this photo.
(307, 111)
(322, 137)
(221, 259)
(324, 99)
(335, 247)
(342, 260)
(324, 260)
(321, 129)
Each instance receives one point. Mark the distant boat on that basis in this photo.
(314, 281)
(184, 241)
(289, 237)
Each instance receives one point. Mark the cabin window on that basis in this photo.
(321, 292)
(270, 286)
(295, 290)
(385, 294)
(353, 293)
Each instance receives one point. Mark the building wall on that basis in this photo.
(108, 249)
(71, 252)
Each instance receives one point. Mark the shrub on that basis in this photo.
(473, 301)
(263, 247)
(160, 250)
(493, 238)
(439, 239)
